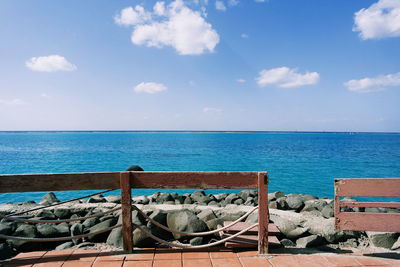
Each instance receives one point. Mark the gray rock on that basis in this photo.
(196, 241)
(85, 244)
(140, 239)
(288, 228)
(204, 200)
(46, 215)
(231, 198)
(48, 199)
(326, 228)
(314, 204)
(246, 194)
(164, 197)
(349, 243)
(375, 210)
(382, 240)
(46, 230)
(213, 203)
(99, 227)
(96, 199)
(287, 243)
(6, 228)
(117, 199)
(159, 216)
(309, 197)
(62, 229)
(76, 229)
(107, 217)
(62, 213)
(282, 204)
(188, 200)
(327, 212)
(310, 241)
(396, 245)
(5, 251)
(214, 223)
(115, 238)
(231, 216)
(90, 222)
(272, 205)
(206, 215)
(295, 202)
(65, 245)
(24, 230)
(252, 218)
(185, 221)
(275, 195)
(238, 201)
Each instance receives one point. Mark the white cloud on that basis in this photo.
(261, 1)
(233, 2)
(150, 88)
(241, 80)
(243, 35)
(285, 77)
(219, 5)
(50, 64)
(380, 20)
(175, 25)
(12, 102)
(374, 84)
(212, 110)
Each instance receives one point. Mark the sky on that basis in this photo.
(246, 65)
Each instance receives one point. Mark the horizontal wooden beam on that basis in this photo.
(370, 204)
(365, 221)
(58, 182)
(367, 187)
(205, 180)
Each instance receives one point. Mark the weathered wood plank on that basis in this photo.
(370, 204)
(272, 229)
(194, 180)
(263, 219)
(126, 206)
(363, 221)
(58, 182)
(248, 241)
(368, 187)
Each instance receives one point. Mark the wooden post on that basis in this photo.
(263, 219)
(126, 205)
(336, 204)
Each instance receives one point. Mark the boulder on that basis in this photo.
(295, 202)
(282, 204)
(206, 215)
(188, 200)
(252, 218)
(62, 229)
(65, 245)
(196, 241)
(275, 195)
(5, 251)
(231, 198)
(46, 230)
(48, 199)
(85, 244)
(214, 223)
(185, 221)
(396, 245)
(76, 229)
(116, 199)
(159, 216)
(382, 239)
(90, 222)
(96, 199)
(99, 227)
(246, 194)
(115, 238)
(314, 204)
(46, 215)
(62, 213)
(24, 230)
(289, 229)
(272, 205)
(326, 228)
(310, 241)
(287, 243)
(238, 201)
(6, 228)
(232, 216)
(140, 239)
(327, 212)
(164, 197)
(204, 200)
(213, 203)
(309, 197)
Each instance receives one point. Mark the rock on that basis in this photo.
(96, 199)
(188, 200)
(140, 239)
(85, 244)
(232, 216)
(246, 194)
(231, 198)
(65, 245)
(206, 215)
(5, 251)
(164, 197)
(309, 197)
(288, 228)
(314, 204)
(159, 216)
(99, 227)
(185, 221)
(6, 228)
(197, 194)
(46, 215)
(46, 230)
(396, 245)
(62, 229)
(204, 200)
(107, 217)
(115, 238)
(24, 230)
(295, 202)
(287, 243)
(90, 222)
(309, 241)
(117, 199)
(326, 228)
(375, 210)
(275, 195)
(349, 243)
(213, 203)
(252, 218)
(272, 205)
(282, 204)
(382, 239)
(62, 213)
(327, 212)
(48, 199)
(238, 201)
(213, 223)
(196, 241)
(76, 229)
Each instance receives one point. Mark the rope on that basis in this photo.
(57, 238)
(59, 221)
(190, 246)
(59, 203)
(194, 234)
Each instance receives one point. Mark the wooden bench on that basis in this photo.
(367, 221)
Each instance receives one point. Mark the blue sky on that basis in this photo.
(306, 65)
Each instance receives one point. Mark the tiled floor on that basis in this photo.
(176, 258)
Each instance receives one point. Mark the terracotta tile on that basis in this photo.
(56, 255)
(77, 264)
(195, 255)
(110, 256)
(226, 262)
(107, 264)
(197, 262)
(167, 254)
(371, 261)
(248, 253)
(84, 255)
(138, 264)
(254, 261)
(17, 264)
(284, 261)
(167, 263)
(342, 260)
(33, 254)
(139, 255)
(312, 260)
(222, 255)
(49, 264)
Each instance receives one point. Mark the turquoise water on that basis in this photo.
(296, 162)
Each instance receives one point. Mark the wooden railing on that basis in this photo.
(367, 221)
(140, 180)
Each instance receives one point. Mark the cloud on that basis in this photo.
(219, 5)
(241, 80)
(261, 1)
(150, 88)
(175, 25)
(233, 2)
(379, 83)
(13, 102)
(212, 110)
(243, 35)
(50, 63)
(380, 20)
(285, 77)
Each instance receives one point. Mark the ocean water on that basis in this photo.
(296, 162)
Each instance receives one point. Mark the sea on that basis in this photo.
(297, 162)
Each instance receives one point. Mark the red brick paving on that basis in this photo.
(177, 258)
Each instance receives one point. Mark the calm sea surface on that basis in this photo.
(296, 162)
